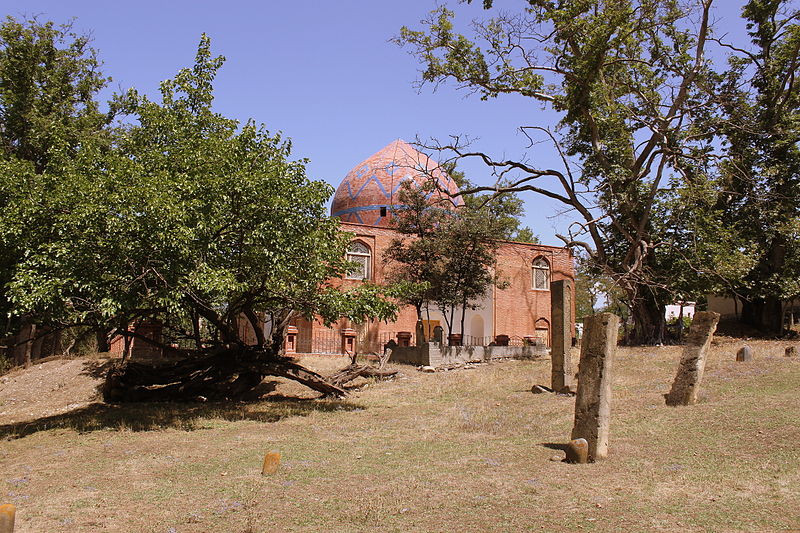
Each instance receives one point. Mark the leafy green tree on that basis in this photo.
(415, 259)
(525, 234)
(759, 122)
(49, 80)
(448, 254)
(201, 224)
(588, 291)
(625, 78)
(468, 244)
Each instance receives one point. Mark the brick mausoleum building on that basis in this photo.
(364, 202)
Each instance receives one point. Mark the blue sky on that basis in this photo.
(323, 73)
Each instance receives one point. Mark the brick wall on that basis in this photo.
(516, 309)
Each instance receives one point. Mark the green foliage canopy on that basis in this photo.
(627, 79)
(191, 216)
(758, 99)
(49, 80)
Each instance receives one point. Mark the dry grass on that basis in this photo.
(465, 450)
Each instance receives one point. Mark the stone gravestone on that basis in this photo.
(561, 323)
(745, 353)
(271, 462)
(7, 512)
(593, 398)
(578, 451)
(693, 361)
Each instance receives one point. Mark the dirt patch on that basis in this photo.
(50, 388)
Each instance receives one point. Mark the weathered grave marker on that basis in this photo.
(593, 399)
(561, 322)
(745, 353)
(693, 361)
(271, 462)
(578, 451)
(7, 512)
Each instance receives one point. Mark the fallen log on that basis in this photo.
(226, 375)
(351, 372)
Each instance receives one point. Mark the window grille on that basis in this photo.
(360, 254)
(541, 274)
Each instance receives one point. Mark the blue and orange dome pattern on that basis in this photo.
(370, 191)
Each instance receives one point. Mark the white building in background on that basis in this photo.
(673, 311)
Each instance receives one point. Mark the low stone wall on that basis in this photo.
(432, 354)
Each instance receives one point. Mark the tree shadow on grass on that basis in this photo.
(555, 446)
(183, 416)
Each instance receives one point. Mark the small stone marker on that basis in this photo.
(593, 399)
(578, 451)
(271, 462)
(693, 361)
(745, 353)
(791, 351)
(7, 512)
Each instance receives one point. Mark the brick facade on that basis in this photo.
(518, 310)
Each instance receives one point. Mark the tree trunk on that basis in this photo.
(418, 307)
(463, 315)
(29, 345)
(101, 336)
(196, 335)
(764, 314)
(648, 319)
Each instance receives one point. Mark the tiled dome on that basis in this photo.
(369, 191)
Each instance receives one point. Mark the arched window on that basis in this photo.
(540, 274)
(360, 254)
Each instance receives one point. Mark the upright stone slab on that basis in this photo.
(593, 398)
(693, 361)
(561, 324)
